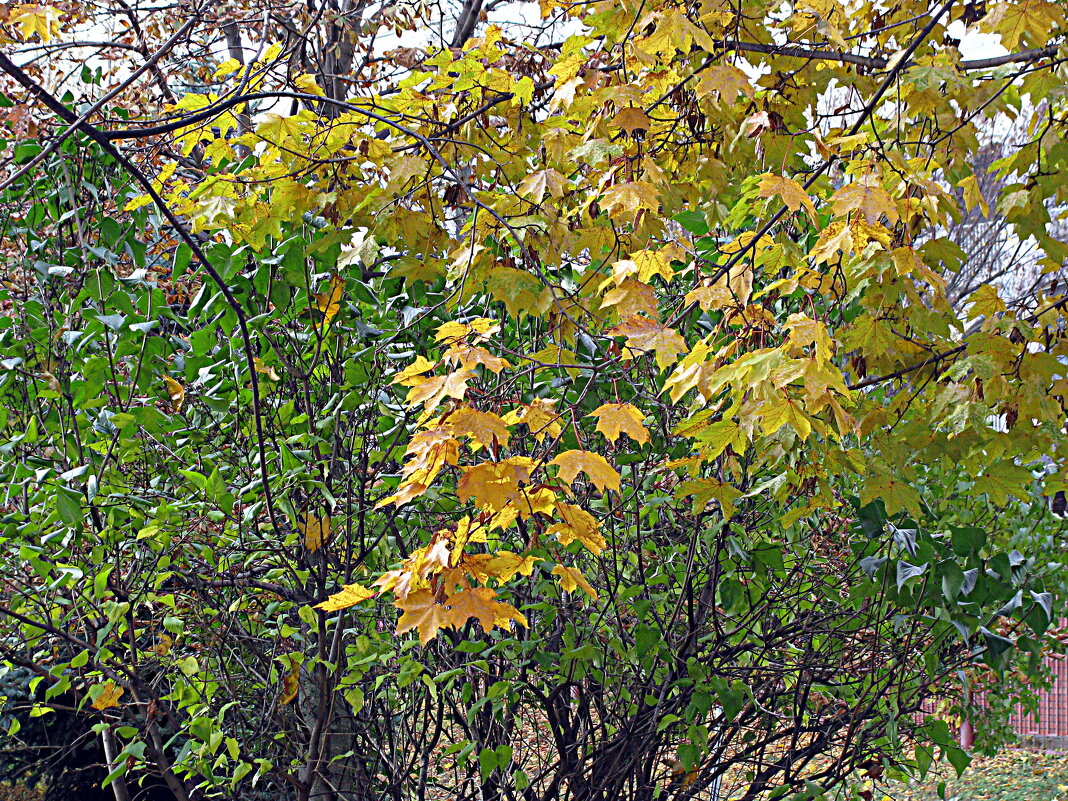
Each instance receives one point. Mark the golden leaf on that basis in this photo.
(175, 393)
(422, 612)
(645, 335)
(631, 297)
(578, 525)
(614, 419)
(571, 578)
(109, 696)
(600, 472)
(316, 531)
(34, 18)
(291, 681)
(539, 416)
(494, 484)
(727, 81)
(867, 198)
(481, 328)
(505, 564)
(483, 428)
(328, 303)
(349, 595)
(631, 119)
(267, 369)
(789, 191)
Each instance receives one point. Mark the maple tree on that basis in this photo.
(570, 406)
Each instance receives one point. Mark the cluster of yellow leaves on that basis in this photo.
(444, 584)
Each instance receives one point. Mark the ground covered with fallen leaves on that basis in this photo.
(1013, 775)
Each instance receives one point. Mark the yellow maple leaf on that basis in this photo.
(703, 490)
(630, 198)
(479, 329)
(483, 428)
(571, 578)
(600, 472)
(645, 335)
(349, 595)
(727, 81)
(973, 195)
(789, 191)
(503, 565)
(328, 303)
(423, 612)
(316, 531)
(494, 484)
(412, 375)
(34, 18)
(472, 356)
(866, 197)
(539, 416)
(631, 119)
(175, 392)
(614, 419)
(481, 603)
(783, 410)
(432, 391)
(280, 130)
(291, 681)
(806, 331)
(266, 369)
(578, 525)
(541, 183)
(644, 264)
(109, 696)
(985, 302)
(631, 297)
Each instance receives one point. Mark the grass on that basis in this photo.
(1009, 776)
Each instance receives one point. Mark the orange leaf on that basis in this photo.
(422, 612)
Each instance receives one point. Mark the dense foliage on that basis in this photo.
(573, 408)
